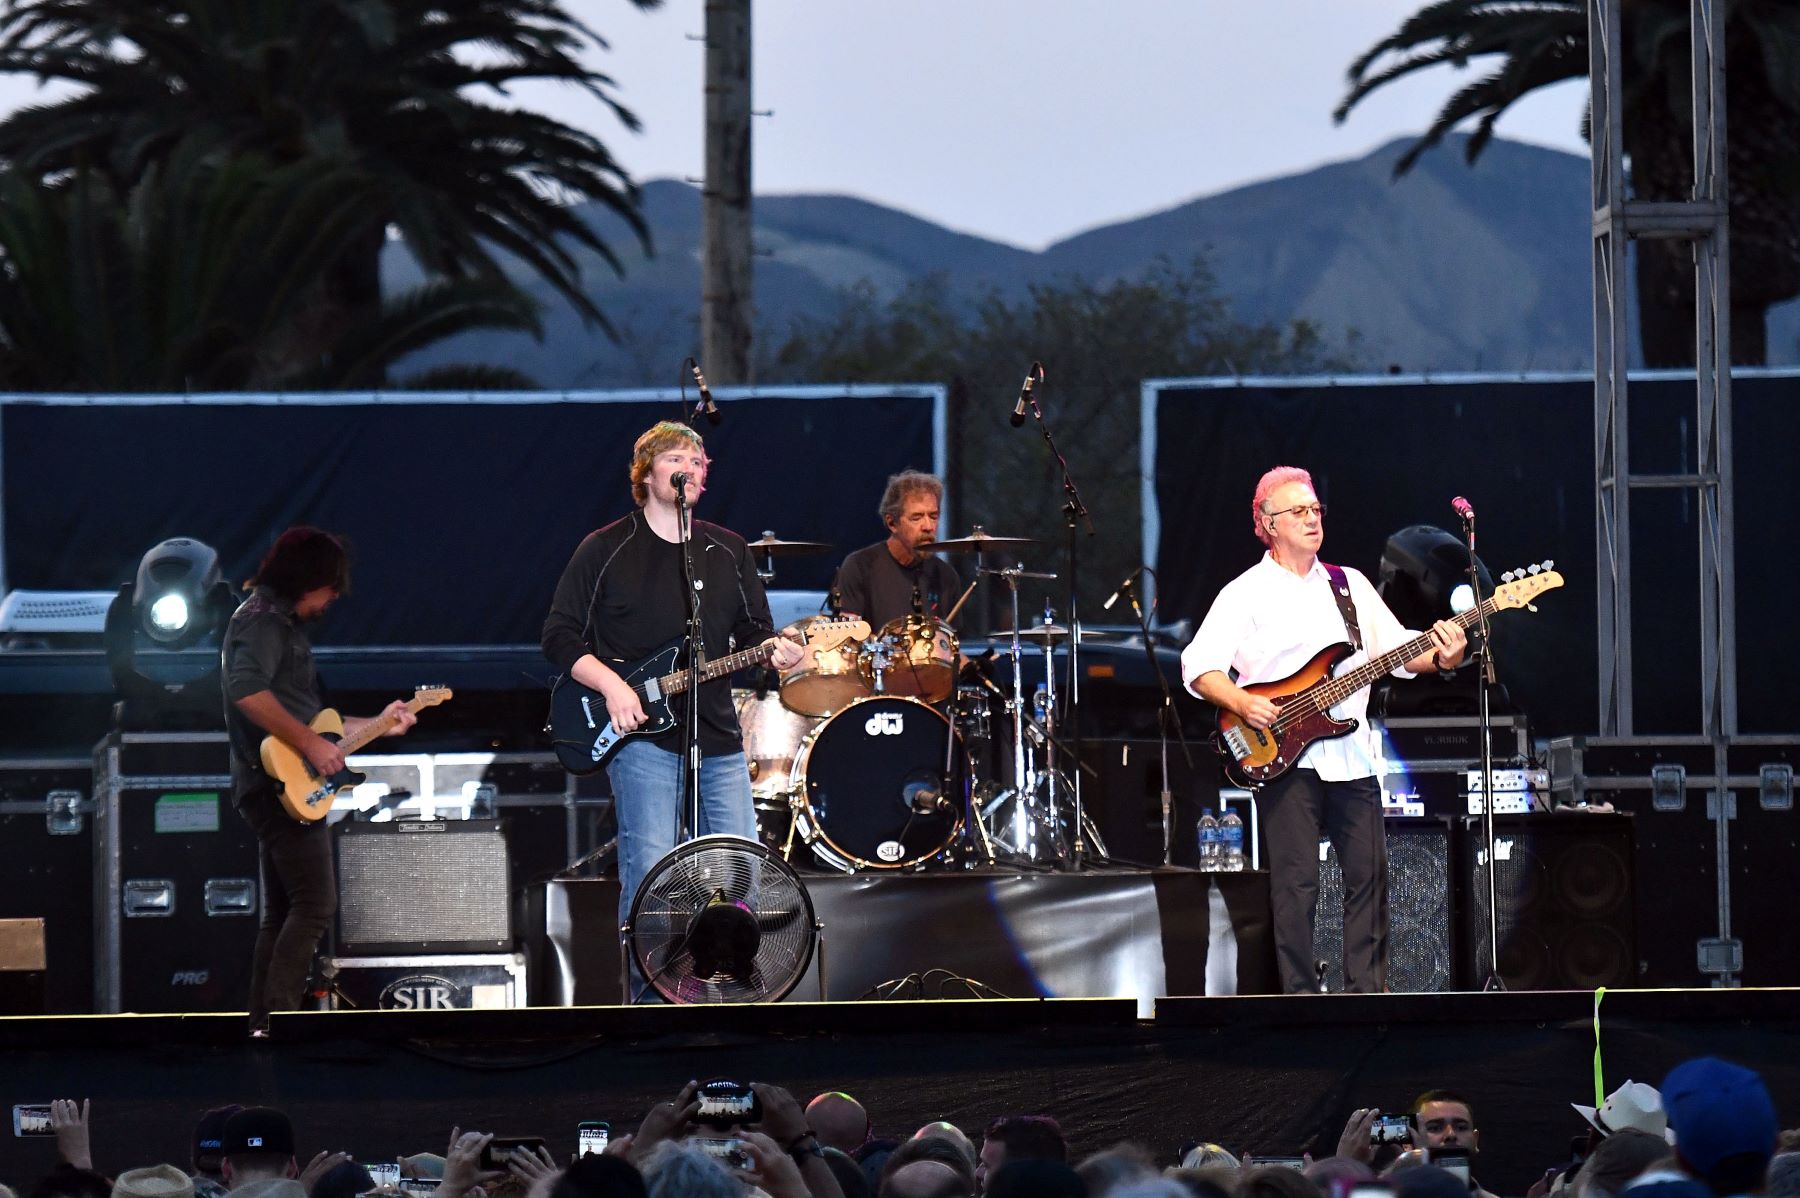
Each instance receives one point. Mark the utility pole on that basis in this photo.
(725, 295)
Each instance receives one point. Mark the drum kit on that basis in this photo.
(883, 754)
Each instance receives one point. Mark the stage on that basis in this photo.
(1268, 1074)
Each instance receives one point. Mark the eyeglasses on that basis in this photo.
(1301, 511)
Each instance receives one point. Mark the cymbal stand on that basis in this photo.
(766, 571)
(1016, 704)
(1058, 848)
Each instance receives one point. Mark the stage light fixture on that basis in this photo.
(162, 628)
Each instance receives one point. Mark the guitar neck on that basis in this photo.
(377, 727)
(677, 682)
(1333, 691)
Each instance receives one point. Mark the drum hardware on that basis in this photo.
(769, 545)
(917, 654)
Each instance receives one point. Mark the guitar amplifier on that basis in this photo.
(423, 886)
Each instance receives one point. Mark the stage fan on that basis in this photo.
(722, 920)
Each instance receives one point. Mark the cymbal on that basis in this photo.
(770, 543)
(1037, 632)
(980, 542)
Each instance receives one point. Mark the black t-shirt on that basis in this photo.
(621, 598)
(264, 650)
(878, 588)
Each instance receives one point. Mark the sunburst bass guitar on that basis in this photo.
(308, 797)
(1255, 757)
(581, 731)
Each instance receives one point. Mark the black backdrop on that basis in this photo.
(1389, 453)
(462, 514)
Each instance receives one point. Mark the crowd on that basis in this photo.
(1709, 1131)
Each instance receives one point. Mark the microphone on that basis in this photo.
(1123, 587)
(835, 596)
(706, 400)
(1463, 508)
(1031, 377)
(679, 480)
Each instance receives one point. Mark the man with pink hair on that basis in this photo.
(1266, 624)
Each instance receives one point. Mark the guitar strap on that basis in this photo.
(1340, 590)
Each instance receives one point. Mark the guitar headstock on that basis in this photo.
(828, 633)
(431, 696)
(1519, 587)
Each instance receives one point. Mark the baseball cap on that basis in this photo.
(258, 1129)
(209, 1133)
(1718, 1110)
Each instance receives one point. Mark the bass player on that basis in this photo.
(622, 597)
(271, 686)
(1265, 624)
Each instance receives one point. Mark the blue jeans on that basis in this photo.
(646, 784)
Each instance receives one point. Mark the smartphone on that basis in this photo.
(1391, 1129)
(385, 1173)
(500, 1149)
(728, 1152)
(1371, 1189)
(32, 1119)
(418, 1185)
(724, 1102)
(1454, 1161)
(1286, 1162)
(591, 1138)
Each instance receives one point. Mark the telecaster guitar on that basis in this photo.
(308, 797)
(1254, 757)
(581, 731)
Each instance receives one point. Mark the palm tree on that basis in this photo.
(191, 281)
(1541, 42)
(409, 92)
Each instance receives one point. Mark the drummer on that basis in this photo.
(901, 576)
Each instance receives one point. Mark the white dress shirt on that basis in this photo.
(1269, 621)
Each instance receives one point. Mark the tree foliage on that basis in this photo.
(410, 94)
(1536, 43)
(1098, 341)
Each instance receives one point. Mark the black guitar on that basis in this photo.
(581, 732)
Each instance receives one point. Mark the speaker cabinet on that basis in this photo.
(1126, 805)
(423, 886)
(1419, 909)
(1565, 901)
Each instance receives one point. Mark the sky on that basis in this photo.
(1021, 120)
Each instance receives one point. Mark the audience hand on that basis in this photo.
(70, 1123)
(772, 1170)
(783, 1118)
(321, 1164)
(666, 1121)
(462, 1164)
(1355, 1142)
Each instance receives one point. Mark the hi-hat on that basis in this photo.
(770, 543)
(980, 542)
(1039, 632)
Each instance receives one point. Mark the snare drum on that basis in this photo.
(826, 678)
(922, 656)
(871, 781)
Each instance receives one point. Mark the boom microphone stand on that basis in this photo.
(1074, 513)
(1165, 715)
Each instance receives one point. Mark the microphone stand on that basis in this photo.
(1483, 687)
(1075, 513)
(1165, 715)
(688, 822)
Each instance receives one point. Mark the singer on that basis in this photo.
(898, 576)
(623, 596)
(1265, 624)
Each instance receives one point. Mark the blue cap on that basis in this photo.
(1718, 1110)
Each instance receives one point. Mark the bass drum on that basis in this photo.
(872, 787)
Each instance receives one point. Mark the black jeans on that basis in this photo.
(1295, 810)
(299, 897)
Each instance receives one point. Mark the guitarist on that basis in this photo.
(271, 687)
(622, 596)
(1265, 624)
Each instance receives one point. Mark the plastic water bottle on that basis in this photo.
(1209, 840)
(1231, 842)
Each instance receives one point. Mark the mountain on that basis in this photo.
(1450, 268)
